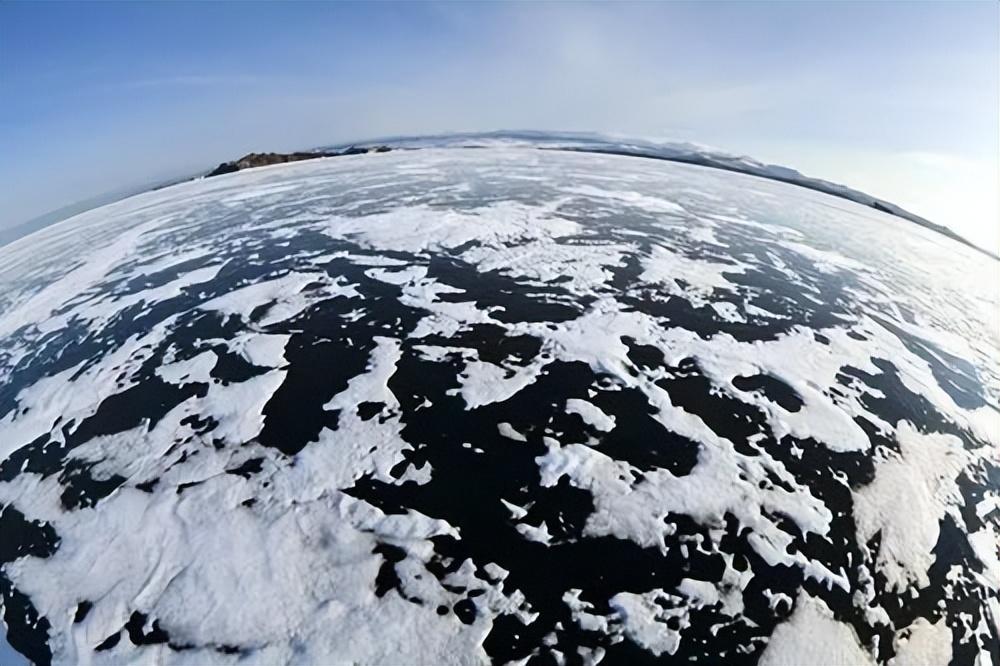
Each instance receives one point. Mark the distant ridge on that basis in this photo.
(253, 160)
(687, 153)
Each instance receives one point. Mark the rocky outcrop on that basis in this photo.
(251, 160)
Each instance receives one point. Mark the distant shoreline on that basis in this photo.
(576, 142)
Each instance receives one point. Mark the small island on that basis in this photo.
(252, 160)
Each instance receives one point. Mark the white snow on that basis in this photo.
(925, 644)
(643, 202)
(195, 369)
(907, 501)
(265, 350)
(418, 229)
(484, 383)
(665, 267)
(812, 636)
(644, 620)
(284, 295)
(591, 414)
(508, 431)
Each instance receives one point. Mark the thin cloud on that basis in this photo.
(191, 81)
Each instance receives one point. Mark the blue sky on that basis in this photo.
(897, 99)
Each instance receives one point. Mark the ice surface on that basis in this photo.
(488, 405)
